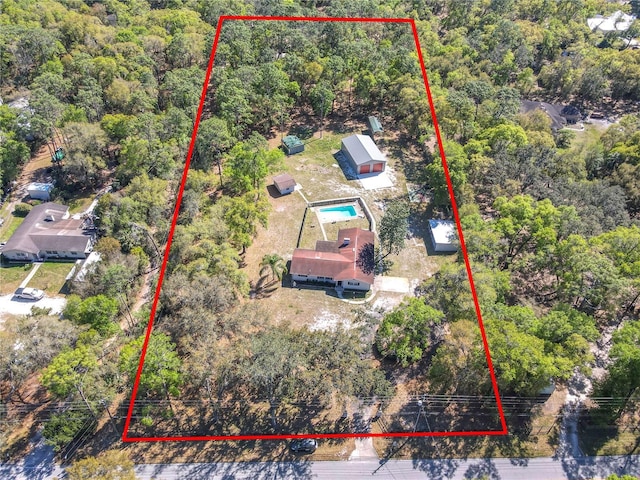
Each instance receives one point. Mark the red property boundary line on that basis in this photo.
(221, 20)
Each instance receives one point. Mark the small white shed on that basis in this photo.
(443, 235)
(40, 191)
(285, 183)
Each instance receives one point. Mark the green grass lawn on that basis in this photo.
(11, 277)
(10, 225)
(51, 277)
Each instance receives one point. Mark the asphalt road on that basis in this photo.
(452, 469)
(458, 469)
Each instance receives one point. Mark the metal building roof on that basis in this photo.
(362, 149)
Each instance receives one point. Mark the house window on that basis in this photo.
(73, 253)
(51, 252)
(302, 276)
(353, 283)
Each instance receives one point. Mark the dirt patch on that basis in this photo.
(326, 320)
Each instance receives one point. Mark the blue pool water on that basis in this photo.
(338, 213)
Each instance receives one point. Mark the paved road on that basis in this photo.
(451, 469)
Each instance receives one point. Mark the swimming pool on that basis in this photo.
(334, 214)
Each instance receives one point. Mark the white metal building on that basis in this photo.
(443, 235)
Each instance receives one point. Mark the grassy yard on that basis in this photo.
(79, 204)
(320, 177)
(11, 223)
(11, 276)
(50, 277)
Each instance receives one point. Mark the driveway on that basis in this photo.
(392, 284)
(16, 306)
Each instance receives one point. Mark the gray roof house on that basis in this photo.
(48, 232)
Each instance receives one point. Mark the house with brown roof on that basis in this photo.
(346, 263)
(49, 232)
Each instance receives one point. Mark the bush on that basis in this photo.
(22, 210)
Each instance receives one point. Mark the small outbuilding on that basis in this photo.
(374, 125)
(443, 235)
(40, 191)
(284, 183)
(292, 144)
(363, 154)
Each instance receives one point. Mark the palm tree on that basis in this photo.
(274, 263)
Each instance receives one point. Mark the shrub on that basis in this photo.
(22, 210)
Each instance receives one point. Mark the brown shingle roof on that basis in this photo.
(338, 260)
(284, 181)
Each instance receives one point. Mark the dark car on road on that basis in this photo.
(304, 445)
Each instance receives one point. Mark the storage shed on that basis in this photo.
(292, 144)
(374, 125)
(363, 154)
(40, 191)
(285, 183)
(443, 235)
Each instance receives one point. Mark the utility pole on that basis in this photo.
(103, 404)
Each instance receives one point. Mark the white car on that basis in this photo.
(29, 293)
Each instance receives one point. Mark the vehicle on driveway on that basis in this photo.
(304, 445)
(29, 293)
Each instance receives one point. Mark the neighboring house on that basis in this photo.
(560, 115)
(48, 232)
(285, 183)
(347, 263)
(363, 154)
(40, 191)
(292, 144)
(616, 22)
(443, 235)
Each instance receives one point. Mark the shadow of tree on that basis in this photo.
(366, 258)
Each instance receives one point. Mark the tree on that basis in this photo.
(99, 312)
(459, 365)
(109, 465)
(242, 214)
(525, 224)
(521, 364)
(404, 333)
(84, 148)
(67, 371)
(458, 165)
(322, 98)
(393, 229)
(161, 372)
(212, 142)
(182, 88)
(28, 344)
(275, 264)
(249, 162)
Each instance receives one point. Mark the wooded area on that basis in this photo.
(550, 217)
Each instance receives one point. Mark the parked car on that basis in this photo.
(304, 445)
(29, 293)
